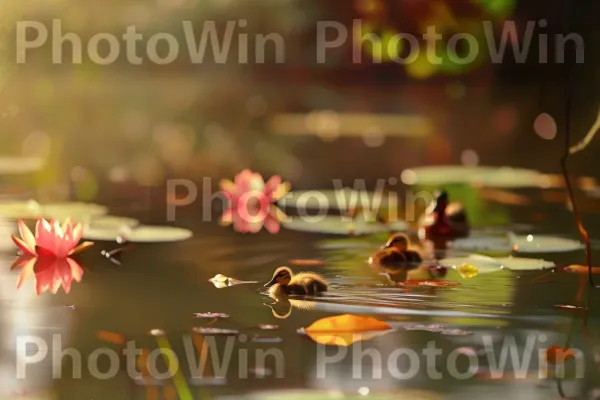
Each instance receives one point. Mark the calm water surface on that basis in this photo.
(161, 286)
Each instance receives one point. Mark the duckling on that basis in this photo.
(284, 282)
(401, 243)
(448, 219)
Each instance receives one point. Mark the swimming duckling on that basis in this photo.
(401, 242)
(284, 282)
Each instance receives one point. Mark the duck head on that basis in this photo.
(282, 276)
(441, 203)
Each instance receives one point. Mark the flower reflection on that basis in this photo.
(50, 273)
(47, 255)
(252, 221)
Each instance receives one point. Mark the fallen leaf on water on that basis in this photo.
(581, 269)
(429, 283)
(211, 315)
(344, 330)
(557, 355)
(111, 337)
(307, 263)
(215, 331)
(221, 281)
(467, 271)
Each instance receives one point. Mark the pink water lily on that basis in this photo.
(47, 254)
(51, 239)
(252, 222)
(250, 187)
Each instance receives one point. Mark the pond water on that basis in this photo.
(159, 287)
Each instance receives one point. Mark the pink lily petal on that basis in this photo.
(83, 246)
(45, 236)
(272, 225)
(64, 274)
(271, 186)
(26, 271)
(21, 261)
(26, 235)
(76, 269)
(21, 245)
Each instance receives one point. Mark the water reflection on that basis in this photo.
(49, 274)
(24, 315)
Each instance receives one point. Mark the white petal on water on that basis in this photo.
(335, 225)
(141, 234)
(503, 177)
(338, 199)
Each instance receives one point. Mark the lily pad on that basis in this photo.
(140, 234)
(543, 244)
(492, 244)
(497, 177)
(337, 226)
(113, 222)
(20, 165)
(343, 199)
(77, 211)
(486, 264)
(483, 264)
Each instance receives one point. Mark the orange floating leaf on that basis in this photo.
(307, 262)
(348, 323)
(111, 337)
(581, 269)
(344, 330)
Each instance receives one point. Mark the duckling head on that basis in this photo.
(282, 276)
(398, 241)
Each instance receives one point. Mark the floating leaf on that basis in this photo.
(493, 244)
(486, 264)
(307, 263)
(431, 283)
(112, 222)
(581, 269)
(543, 244)
(266, 339)
(215, 331)
(343, 330)
(111, 337)
(141, 234)
(211, 315)
(221, 281)
(467, 271)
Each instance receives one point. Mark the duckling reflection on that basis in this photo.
(282, 307)
(284, 282)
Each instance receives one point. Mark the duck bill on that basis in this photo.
(271, 282)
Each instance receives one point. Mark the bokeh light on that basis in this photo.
(545, 126)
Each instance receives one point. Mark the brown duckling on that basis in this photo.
(285, 282)
(401, 243)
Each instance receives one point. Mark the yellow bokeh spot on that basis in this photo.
(467, 271)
